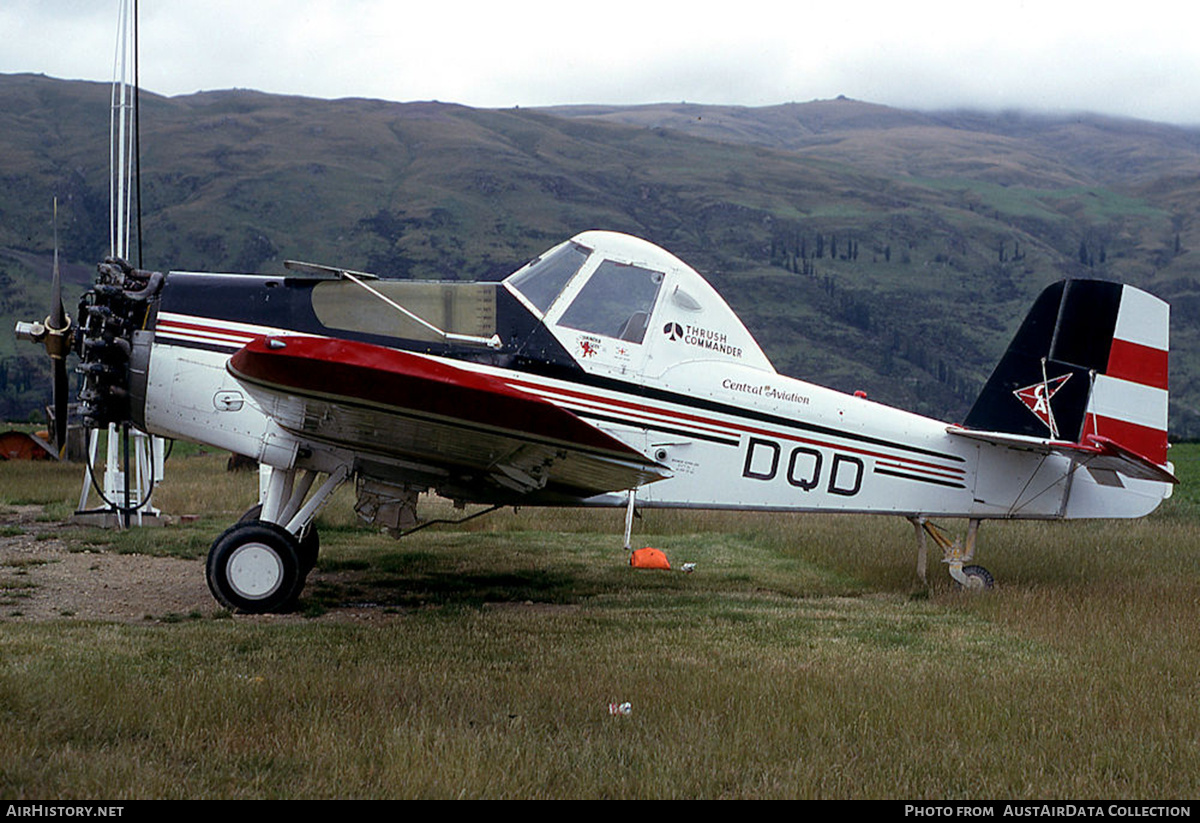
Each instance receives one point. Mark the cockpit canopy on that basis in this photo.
(618, 303)
(613, 303)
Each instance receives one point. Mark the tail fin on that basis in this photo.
(1088, 363)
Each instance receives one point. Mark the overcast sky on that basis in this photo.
(1139, 59)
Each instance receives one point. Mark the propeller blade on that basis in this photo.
(61, 398)
(58, 314)
(58, 325)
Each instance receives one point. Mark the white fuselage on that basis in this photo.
(732, 437)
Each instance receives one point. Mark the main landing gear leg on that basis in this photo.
(956, 555)
(629, 513)
(260, 564)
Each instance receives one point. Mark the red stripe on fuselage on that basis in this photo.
(741, 427)
(646, 414)
(949, 474)
(208, 332)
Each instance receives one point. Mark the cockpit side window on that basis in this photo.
(544, 278)
(616, 302)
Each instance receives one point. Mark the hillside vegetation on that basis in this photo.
(866, 247)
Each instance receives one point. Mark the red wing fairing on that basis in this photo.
(471, 430)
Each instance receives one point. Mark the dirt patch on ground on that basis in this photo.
(41, 579)
(44, 577)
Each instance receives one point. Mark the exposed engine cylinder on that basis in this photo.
(110, 314)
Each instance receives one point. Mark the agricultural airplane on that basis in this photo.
(606, 372)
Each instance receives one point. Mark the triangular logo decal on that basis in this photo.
(1037, 397)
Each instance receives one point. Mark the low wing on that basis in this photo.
(1095, 452)
(456, 427)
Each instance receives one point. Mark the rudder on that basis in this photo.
(1089, 360)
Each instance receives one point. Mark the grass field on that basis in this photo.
(801, 659)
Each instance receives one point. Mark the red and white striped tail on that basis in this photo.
(1128, 402)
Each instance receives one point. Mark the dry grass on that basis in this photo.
(802, 659)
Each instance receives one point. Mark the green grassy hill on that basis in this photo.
(866, 247)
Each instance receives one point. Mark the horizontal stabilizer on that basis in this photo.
(1095, 452)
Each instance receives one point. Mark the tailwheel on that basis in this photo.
(955, 554)
(255, 568)
(977, 577)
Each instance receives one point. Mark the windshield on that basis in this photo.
(543, 279)
(616, 302)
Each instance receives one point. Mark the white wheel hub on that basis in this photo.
(254, 571)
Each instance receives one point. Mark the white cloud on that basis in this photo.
(1105, 56)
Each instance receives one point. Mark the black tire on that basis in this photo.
(254, 568)
(310, 541)
(310, 547)
(978, 577)
(252, 513)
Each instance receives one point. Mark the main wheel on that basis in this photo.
(978, 577)
(310, 541)
(254, 568)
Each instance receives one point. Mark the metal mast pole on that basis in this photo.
(119, 491)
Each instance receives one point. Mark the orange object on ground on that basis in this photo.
(15, 445)
(649, 558)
